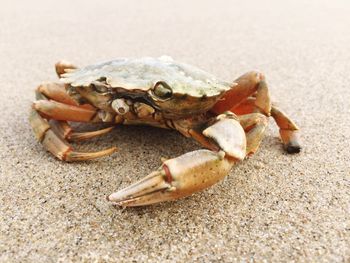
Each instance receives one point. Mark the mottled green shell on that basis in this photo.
(142, 74)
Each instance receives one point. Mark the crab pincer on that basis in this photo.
(192, 171)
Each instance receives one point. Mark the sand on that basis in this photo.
(271, 207)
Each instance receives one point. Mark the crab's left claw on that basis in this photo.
(190, 172)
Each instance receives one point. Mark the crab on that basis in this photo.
(227, 118)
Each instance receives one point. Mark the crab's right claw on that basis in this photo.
(176, 178)
(190, 172)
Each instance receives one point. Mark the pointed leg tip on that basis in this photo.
(84, 156)
(107, 151)
(293, 148)
(81, 136)
(113, 203)
(35, 105)
(115, 197)
(110, 198)
(116, 202)
(119, 199)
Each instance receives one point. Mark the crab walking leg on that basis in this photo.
(190, 172)
(248, 84)
(254, 124)
(57, 145)
(60, 111)
(63, 67)
(82, 136)
(289, 131)
(53, 135)
(245, 107)
(61, 128)
(57, 92)
(251, 94)
(64, 130)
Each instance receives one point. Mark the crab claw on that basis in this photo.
(176, 178)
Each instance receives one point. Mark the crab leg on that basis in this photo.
(254, 125)
(64, 130)
(289, 131)
(61, 128)
(58, 146)
(190, 172)
(54, 135)
(251, 95)
(57, 92)
(247, 85)
(60, 111)
(245, 107)
(63, 67)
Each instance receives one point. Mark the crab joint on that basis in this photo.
(120, 106)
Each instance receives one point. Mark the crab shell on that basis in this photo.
(193, 91)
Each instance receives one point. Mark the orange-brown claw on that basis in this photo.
(176, 178)
(190, 172)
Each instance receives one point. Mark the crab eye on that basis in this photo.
(162, 90)
(99, 88)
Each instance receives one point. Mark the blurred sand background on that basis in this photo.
(272, 207)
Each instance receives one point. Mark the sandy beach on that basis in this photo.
(273, 207)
